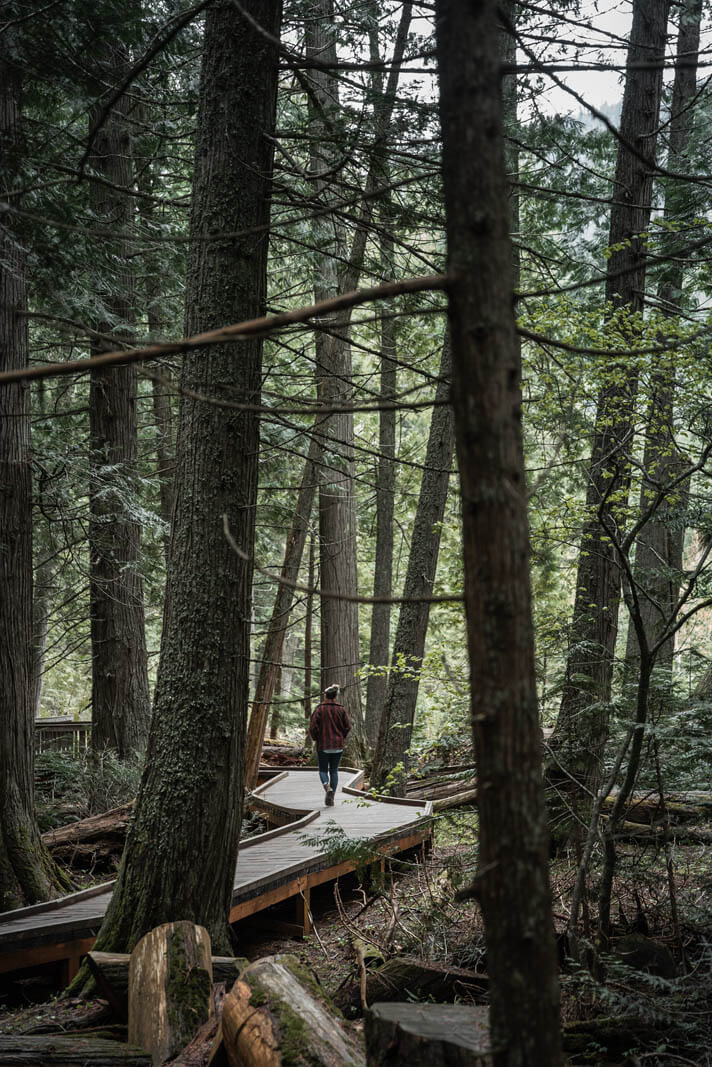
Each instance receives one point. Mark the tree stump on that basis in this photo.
(170, 988)
(276, 1014)
(428, 1035)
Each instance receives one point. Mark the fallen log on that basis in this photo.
(111, 971)
(428, 1035)
(468, 796)
(443, 789)
(642, 832)
(170, 988)
(276, 1014)
(404, 976)
(616, 1036)
(75, 1051)
(110, 824)
(647, 809)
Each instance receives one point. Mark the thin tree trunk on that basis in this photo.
(396, 723)
(27, 873)
(121, 703)
(272, 652)
(658, 555)
(181, 849)
(582, 726)
(340, 649)
(308, 621)
(379, 649)
(512, 884)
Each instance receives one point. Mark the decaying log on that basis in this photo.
(108, 825)
(428, 1035)
(646, 808)
(684, 835)
(197, 1053)
(69, 1051)
(616, 1035)
(468, 796)
(111, 971)
(96, 842)
(276, 1014)
(407, 976)
(170, 988)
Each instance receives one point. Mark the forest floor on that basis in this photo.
(657, 1013)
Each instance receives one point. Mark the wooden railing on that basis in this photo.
(62, 735)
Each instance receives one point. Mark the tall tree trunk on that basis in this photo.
(340, 650)
(161, 390)
(396, 723)
(121, 703)
(272, 653)
(385, 506)
(340, 655)
(308, 626)
(180, 855)
(512, 883)
(582, 726)
(27, 873)
(658, 554)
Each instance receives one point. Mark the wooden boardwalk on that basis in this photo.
(278, 865)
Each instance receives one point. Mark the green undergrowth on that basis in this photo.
(69, 787)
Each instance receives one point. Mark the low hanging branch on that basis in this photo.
(260, 327)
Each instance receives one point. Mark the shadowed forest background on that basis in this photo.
(455, 458)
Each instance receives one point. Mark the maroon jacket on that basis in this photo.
(329, 725)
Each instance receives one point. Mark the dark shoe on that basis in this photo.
(329, 798)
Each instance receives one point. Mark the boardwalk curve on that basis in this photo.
(282, 864)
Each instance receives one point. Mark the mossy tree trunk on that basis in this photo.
(27, 873)
(179, 861)
(512, 882)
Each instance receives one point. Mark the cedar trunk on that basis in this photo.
(274, 642)
(396, 723)
(27, 874)
(179, 861)
(121, 703)
(582, 726)
(512, 883)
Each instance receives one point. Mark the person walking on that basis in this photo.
(329, 726)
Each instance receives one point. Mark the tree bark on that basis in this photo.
(396, 723)
(181, 851)
(658, 555)
(274, 642)
(512, 883)
(27, 874)
(582, 726)
(121, 702)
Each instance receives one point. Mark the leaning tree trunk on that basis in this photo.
(272, 654)
(27, 874)
(121, 703)
(396, 723)
(179, 861)
(658, 554)
(512, 883)
(582, 726)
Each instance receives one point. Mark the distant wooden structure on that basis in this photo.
(61, 734)
(285, 863)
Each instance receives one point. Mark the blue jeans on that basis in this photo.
(329, 768)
